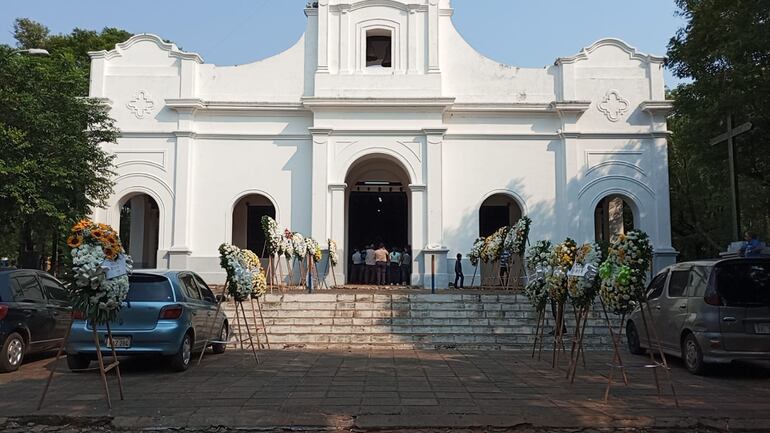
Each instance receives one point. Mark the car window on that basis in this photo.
(656, 286)
(25, 288)
(53, 289)
(744, 283)
(149, 288)
(677, 284)
(204, 289)
(699, 278)
(189, 286)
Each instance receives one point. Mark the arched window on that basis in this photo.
(139, 229)
(499, 210)
(379, 48)
(247, 222)
(613, 215)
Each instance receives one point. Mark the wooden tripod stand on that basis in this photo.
(654, 365)
(103, 369)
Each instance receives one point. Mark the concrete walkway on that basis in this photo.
(392, 389)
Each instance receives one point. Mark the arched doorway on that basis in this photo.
(613, 215)
(247, 222)
(378, 203)
(139, 229)
(498, 210)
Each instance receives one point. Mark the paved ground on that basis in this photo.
(390, 390)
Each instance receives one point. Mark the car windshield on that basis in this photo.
(744, 284)
(149, 288)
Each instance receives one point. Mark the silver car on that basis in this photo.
(707, 312)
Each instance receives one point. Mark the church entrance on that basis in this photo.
(247, 222)
(139, 229)
(499, 210)
(377, 212)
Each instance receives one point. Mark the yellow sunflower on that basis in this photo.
(74, 241)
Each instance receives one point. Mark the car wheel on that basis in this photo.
(76, 361)
(632, 337)
(12, 353)
(692, 355)
(219, 348)
(181, 360)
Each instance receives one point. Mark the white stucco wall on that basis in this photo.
(197, 137)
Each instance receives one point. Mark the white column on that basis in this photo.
(337, 232)
(323, 36)
(664, 252)
(345, 46)
(433, 39)
(180, 249)
(419, 236)
(319, 195)
(434, 161)
(413, 38)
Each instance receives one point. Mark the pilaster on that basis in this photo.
(434, 141)
(323, 37)
(319, 197)
(433, 37)
(337, 231)
(419, 228)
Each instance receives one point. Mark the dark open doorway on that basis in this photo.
(378, 217)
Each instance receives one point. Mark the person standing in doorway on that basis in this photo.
(371, 266)
(406, 266)
(459, 272)
(395, 267)
(358, 266)
(381, 261)
(505, 263)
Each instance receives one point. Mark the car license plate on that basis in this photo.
(762, 328)
(119, 342)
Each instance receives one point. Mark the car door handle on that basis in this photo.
(657, 307)
(728, 319)
(683, 306)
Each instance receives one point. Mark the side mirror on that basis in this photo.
(220, 298)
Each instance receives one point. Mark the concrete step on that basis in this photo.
(409, 321)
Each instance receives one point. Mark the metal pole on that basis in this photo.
(433, 274)
(733, 180)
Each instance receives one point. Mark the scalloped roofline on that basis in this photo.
(632, 52)
(171, 48)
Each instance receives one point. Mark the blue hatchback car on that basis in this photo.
(167, 313)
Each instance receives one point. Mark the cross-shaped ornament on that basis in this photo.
(141, 105)
(614, 106)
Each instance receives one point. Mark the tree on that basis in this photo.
(724, 49)
(53, 168)
(31, 34)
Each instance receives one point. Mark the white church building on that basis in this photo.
(381, 124)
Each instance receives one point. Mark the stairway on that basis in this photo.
(410, 321)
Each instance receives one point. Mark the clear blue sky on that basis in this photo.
(525, 33)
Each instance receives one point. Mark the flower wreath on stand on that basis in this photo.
(539, 269)
(313, 249)
(520, 236)
(582, 281)
(334, 258)
(476, 252)
(624, 272)
(493, 247)
(287, 244)
(561, 261)
(300, 246)
(100, 270)
(273, 237)
(244, 274)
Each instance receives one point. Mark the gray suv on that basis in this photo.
(706, 312)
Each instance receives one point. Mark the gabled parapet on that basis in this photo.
(145, 38)
(594, 50)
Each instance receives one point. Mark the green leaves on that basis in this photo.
(53, 168)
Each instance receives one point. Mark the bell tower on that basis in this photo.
(377, 48)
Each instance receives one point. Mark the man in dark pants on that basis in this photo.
(459, 271)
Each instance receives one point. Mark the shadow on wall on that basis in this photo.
(603, 171)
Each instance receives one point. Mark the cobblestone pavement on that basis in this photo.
(386, 390)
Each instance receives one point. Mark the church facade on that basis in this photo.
(381, 124)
